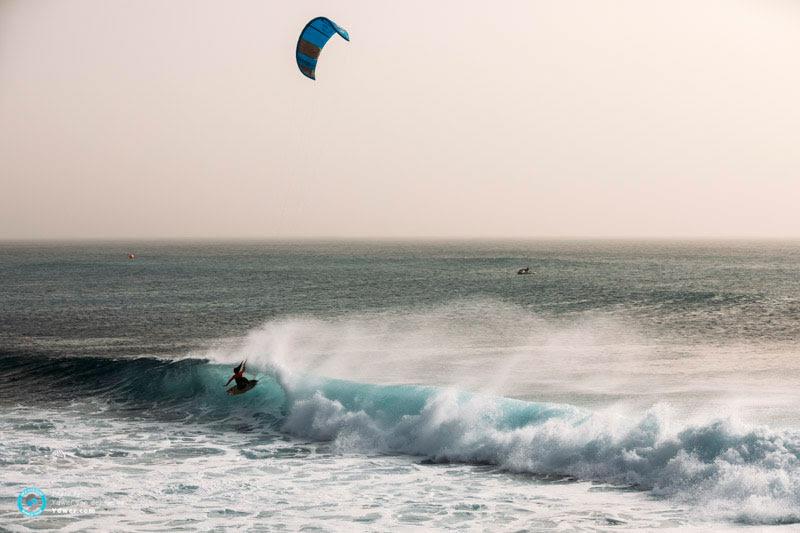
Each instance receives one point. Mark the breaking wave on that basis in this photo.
(721, 468)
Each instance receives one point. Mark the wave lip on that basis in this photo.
(749, 475)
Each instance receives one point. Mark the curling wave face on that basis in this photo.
(721, 468)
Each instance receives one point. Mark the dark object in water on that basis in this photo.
(526, 270)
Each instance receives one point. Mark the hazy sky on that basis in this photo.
(189, 118)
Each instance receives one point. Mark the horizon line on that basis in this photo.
(430, 238)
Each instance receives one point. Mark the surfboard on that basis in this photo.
(233, 391)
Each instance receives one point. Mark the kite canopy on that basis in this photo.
(312, 39)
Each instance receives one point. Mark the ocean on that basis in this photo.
(621, 385)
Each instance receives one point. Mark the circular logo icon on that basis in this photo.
(31, 501)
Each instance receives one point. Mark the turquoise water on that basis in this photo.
(620, 385)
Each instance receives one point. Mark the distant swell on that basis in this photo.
(746, 474)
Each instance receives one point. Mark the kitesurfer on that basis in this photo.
(238, 376)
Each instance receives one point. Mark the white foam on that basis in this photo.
(723, 468)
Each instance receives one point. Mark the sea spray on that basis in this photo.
(715, 464)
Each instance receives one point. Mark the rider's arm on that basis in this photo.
(229, 380)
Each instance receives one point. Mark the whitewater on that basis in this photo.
(502, 406)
